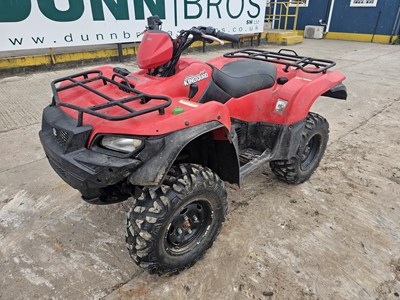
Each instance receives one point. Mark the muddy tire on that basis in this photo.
(170, 228)
(309, 154)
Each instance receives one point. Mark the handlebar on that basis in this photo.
(227, 37)
(212, 38)
(155, 23)
(210, 31)
(187, 38)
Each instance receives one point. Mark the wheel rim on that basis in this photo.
(310, 152)
(188, 227)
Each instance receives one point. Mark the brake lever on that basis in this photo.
(212, 38)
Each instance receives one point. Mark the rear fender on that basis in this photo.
(153, 172)
(338, 92)
(300, 101)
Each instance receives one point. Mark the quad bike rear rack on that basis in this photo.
(291, 59)
(82, 80)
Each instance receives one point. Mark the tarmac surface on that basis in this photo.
(336, 236)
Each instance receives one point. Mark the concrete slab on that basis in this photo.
(333, 237)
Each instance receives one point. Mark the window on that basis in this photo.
(363, 3)
(302, 3)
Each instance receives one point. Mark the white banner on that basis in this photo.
(32, 24)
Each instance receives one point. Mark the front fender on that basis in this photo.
(153, 171)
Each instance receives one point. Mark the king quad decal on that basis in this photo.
(30, 24)
(195, 78)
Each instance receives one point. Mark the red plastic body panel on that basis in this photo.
(300, 92)
(174, 86)
(155, 50)
(151, 124)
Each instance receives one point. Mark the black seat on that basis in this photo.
(242, 77)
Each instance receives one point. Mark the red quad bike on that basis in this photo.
(172, 133)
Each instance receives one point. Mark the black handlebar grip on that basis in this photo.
(227, 37)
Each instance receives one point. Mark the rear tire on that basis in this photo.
(170, 228)
(311, 149)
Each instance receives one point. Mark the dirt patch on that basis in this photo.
(395, 266)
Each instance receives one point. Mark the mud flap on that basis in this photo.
(288, 142)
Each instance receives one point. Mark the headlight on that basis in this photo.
(121, 144)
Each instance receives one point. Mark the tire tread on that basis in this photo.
(145, 220)
(288, 170)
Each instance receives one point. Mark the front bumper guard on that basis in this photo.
(83, 169)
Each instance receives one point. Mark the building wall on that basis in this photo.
(364, 19)
(346, 19)
(316, 10)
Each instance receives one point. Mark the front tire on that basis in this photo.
(170, 228)
(314, 140)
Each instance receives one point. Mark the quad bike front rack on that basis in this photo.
(82, 80)
(286, 57)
